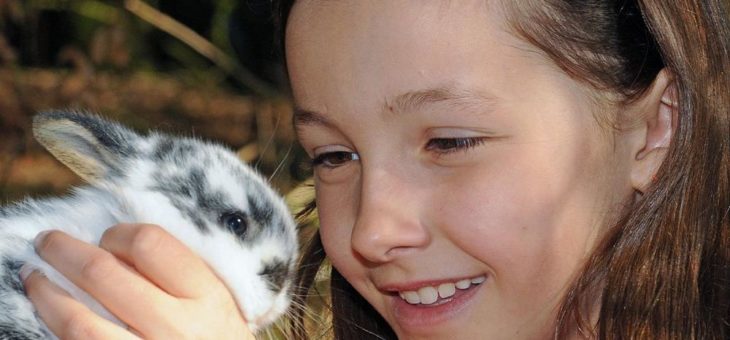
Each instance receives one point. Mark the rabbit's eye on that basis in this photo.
(235, 222)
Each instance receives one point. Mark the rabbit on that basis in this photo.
(198, 191)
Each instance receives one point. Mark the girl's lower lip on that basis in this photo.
(417, 318)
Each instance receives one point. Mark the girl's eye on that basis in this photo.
(334, 159)
(448, 145)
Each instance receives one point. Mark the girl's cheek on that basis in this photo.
(335, 204)
(498, 211)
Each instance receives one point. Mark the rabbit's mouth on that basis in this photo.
(279, 306)
(265, 320)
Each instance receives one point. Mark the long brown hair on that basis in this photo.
(663, 270)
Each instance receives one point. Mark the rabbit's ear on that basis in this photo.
(94, 148)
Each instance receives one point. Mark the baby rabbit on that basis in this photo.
(200, 192)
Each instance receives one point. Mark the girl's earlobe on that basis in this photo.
(660, 106)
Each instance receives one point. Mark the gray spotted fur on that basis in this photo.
(182, 184)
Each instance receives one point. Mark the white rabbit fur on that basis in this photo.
(198, 191)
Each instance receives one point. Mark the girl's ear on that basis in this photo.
(658, 120)
(94, 148)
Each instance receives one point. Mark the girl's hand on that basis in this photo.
(145, 277)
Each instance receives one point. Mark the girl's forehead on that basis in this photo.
(389, 16)
(381, 48)
(394, 25)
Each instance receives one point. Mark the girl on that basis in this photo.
(484, 169)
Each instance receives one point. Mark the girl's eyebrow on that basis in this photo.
(411, 101)
(303, 117)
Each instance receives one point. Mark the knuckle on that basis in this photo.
(166, 329)
(79, 326)
(148, 239)
(49, 242)
(215, 297)
(32, 284)
(219, 298)
(99, 266)
(176, 333)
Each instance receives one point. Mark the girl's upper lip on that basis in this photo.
(416, 284)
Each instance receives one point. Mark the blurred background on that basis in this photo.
(193, 67)
(204, 68)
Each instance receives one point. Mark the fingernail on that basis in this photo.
(39, 238)
(25, 271)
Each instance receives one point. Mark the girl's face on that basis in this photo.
(461, 177)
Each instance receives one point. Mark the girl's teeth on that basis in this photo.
(478, 280)
(411, 297)
(446, 290)
(463, 284)
(428, 294)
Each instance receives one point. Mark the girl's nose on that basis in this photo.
(387, 222)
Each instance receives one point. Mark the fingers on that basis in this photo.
(115, 285)
(162, 259)
(140, 300)
(66, 317)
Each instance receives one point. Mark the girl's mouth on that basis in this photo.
(428, 306)
(428, 295)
